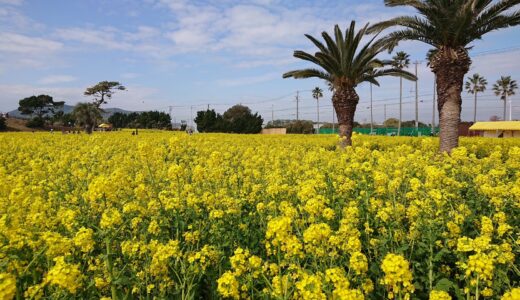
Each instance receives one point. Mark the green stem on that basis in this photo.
(108, 260)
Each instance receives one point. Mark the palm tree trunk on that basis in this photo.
(450, 69)
(345, 100)
(475, 110)
(318, 112)
(505, 108)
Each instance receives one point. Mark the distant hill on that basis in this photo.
(69, 108)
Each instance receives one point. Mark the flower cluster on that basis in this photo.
(166, 215)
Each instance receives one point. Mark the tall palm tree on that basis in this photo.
(505, 87)
(475, 84)
(87, 115)
(317, 93)
(345, 63)
(400, 61)
(449, 26)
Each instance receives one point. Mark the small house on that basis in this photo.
(499, 129)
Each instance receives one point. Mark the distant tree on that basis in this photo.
(3, 123)
(345, 61)
(147, 119)
(40, 106)
(239, 119)
(329, 125)
(278, 123)
(68, 119)
(412, 124)
(208, 121)
(505, 87)
(154, 120)
(118, 120)
(103, 91)
(317, 93)
(301, 126)
(400, 61)
(475, 84)
(494, 118)
(87, 115)
(391, 122)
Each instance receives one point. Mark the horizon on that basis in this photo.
(189, 55)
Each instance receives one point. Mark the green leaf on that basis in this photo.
(443, 285)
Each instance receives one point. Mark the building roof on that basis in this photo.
(499, 125)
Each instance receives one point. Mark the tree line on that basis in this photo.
(237, 119)
(44, 110)
(147, 119)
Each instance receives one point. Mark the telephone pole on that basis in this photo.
(371, 115)
(170, 112)
(416, 100)
(385, 114)
(191, 116)
(297, 105)
(272, 114)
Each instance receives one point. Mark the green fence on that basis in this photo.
(405, 131)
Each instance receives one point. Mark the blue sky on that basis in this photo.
(188, 54)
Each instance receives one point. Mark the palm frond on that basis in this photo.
(308, 73)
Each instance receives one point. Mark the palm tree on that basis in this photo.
(87, 115)
(449, 26)
(400, 61)
(505, 87)
(317, 93)
(475, 84)
(345, 63)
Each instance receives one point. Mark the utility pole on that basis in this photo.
(208, 106)
(433, 103)
(170, 112)
(297, 105)
(191, 116)
(385, 114)
(318, 114)
(371, 114)
(510, 109)
(416, 100)
(272, 114)
(400, 105)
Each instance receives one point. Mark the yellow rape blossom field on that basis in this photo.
(166, 215)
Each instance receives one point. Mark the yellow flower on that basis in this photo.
(398, 277)
(65, 275)
(439, 295)
(514, 294)
(7, 286)
(110, 219)
(228, 286)
(84, 239)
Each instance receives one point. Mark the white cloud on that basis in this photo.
(106, 37)
(233, 82)
(54, 79)
(27, 45)
(11, 2)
